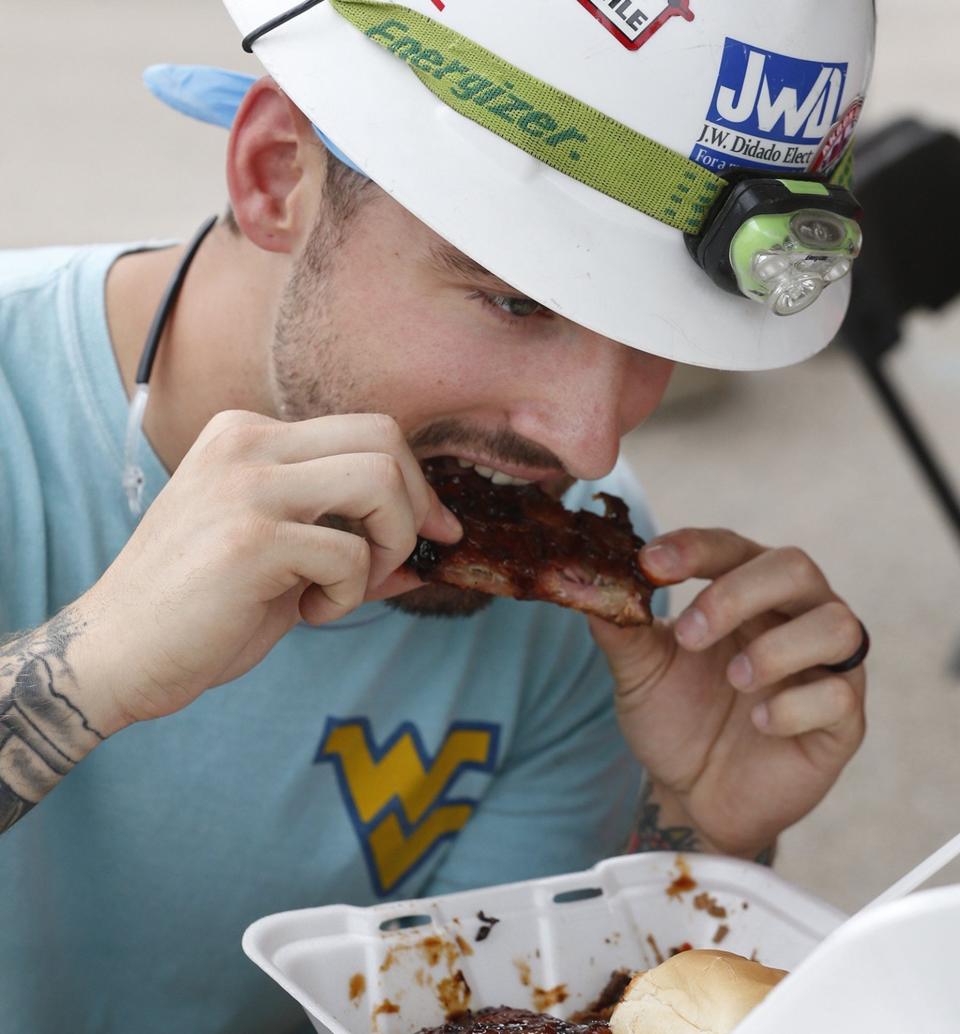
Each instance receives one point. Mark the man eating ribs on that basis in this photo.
(455, 240)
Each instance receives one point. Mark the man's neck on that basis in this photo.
(214, 351)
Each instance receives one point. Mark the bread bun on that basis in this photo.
(695, 992)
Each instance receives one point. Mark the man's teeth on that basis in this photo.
(499, 478)
(496, 476)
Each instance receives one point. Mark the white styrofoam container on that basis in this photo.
(890, 970)
(353, 977)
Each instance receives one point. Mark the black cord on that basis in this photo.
(162, 314)
(252, 37)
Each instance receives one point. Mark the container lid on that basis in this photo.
(890, 970)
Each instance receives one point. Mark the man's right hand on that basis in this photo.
(230, 555)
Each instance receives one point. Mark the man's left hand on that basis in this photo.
(730, 707)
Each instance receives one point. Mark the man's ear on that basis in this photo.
(272, 163)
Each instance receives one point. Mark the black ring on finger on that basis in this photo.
(856, 659)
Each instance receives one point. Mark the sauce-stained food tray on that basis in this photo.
(550, 945)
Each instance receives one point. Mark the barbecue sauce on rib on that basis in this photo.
(516, 1021)
(518, 532)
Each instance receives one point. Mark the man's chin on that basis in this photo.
(440, 601)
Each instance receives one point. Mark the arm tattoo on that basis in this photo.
(767, 856)
(42, 733)
(651, 836)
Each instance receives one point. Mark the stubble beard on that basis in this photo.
(312, 377)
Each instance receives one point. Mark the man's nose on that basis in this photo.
(591, 395)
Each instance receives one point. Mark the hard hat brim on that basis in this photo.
(582, 254)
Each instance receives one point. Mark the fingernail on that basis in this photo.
(761, 717)
(660, 558)
(450, 520)
(691, 629)
(740, 671)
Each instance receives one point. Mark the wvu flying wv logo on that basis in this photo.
(398, 796)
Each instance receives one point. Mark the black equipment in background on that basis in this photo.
(905, 178)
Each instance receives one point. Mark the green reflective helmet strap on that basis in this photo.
(842, 175)
(547, 123)
(585, 144)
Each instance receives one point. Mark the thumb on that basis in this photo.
(637, 655)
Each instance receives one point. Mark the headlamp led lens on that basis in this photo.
(786, 260)
(838, 270)
(818, 229)
(769, 266)
(795, 293)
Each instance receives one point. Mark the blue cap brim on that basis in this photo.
(212, 95)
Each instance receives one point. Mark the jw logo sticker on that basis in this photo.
(769, 111)
(398, 797)
(633, 22)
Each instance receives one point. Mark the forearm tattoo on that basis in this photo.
(649, 835)
(767, 856)
(43, 734)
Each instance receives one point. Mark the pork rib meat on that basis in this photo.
(520, 542)
(503, 1020)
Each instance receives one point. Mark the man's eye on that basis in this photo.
(514, 306)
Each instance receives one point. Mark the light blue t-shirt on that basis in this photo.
(380, 757)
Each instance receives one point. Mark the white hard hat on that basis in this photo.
(720, 84)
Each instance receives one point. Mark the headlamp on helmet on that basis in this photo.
(779, 241)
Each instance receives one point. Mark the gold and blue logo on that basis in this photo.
(398, 796)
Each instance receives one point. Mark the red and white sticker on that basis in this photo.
(633, 22)
(837, 140)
